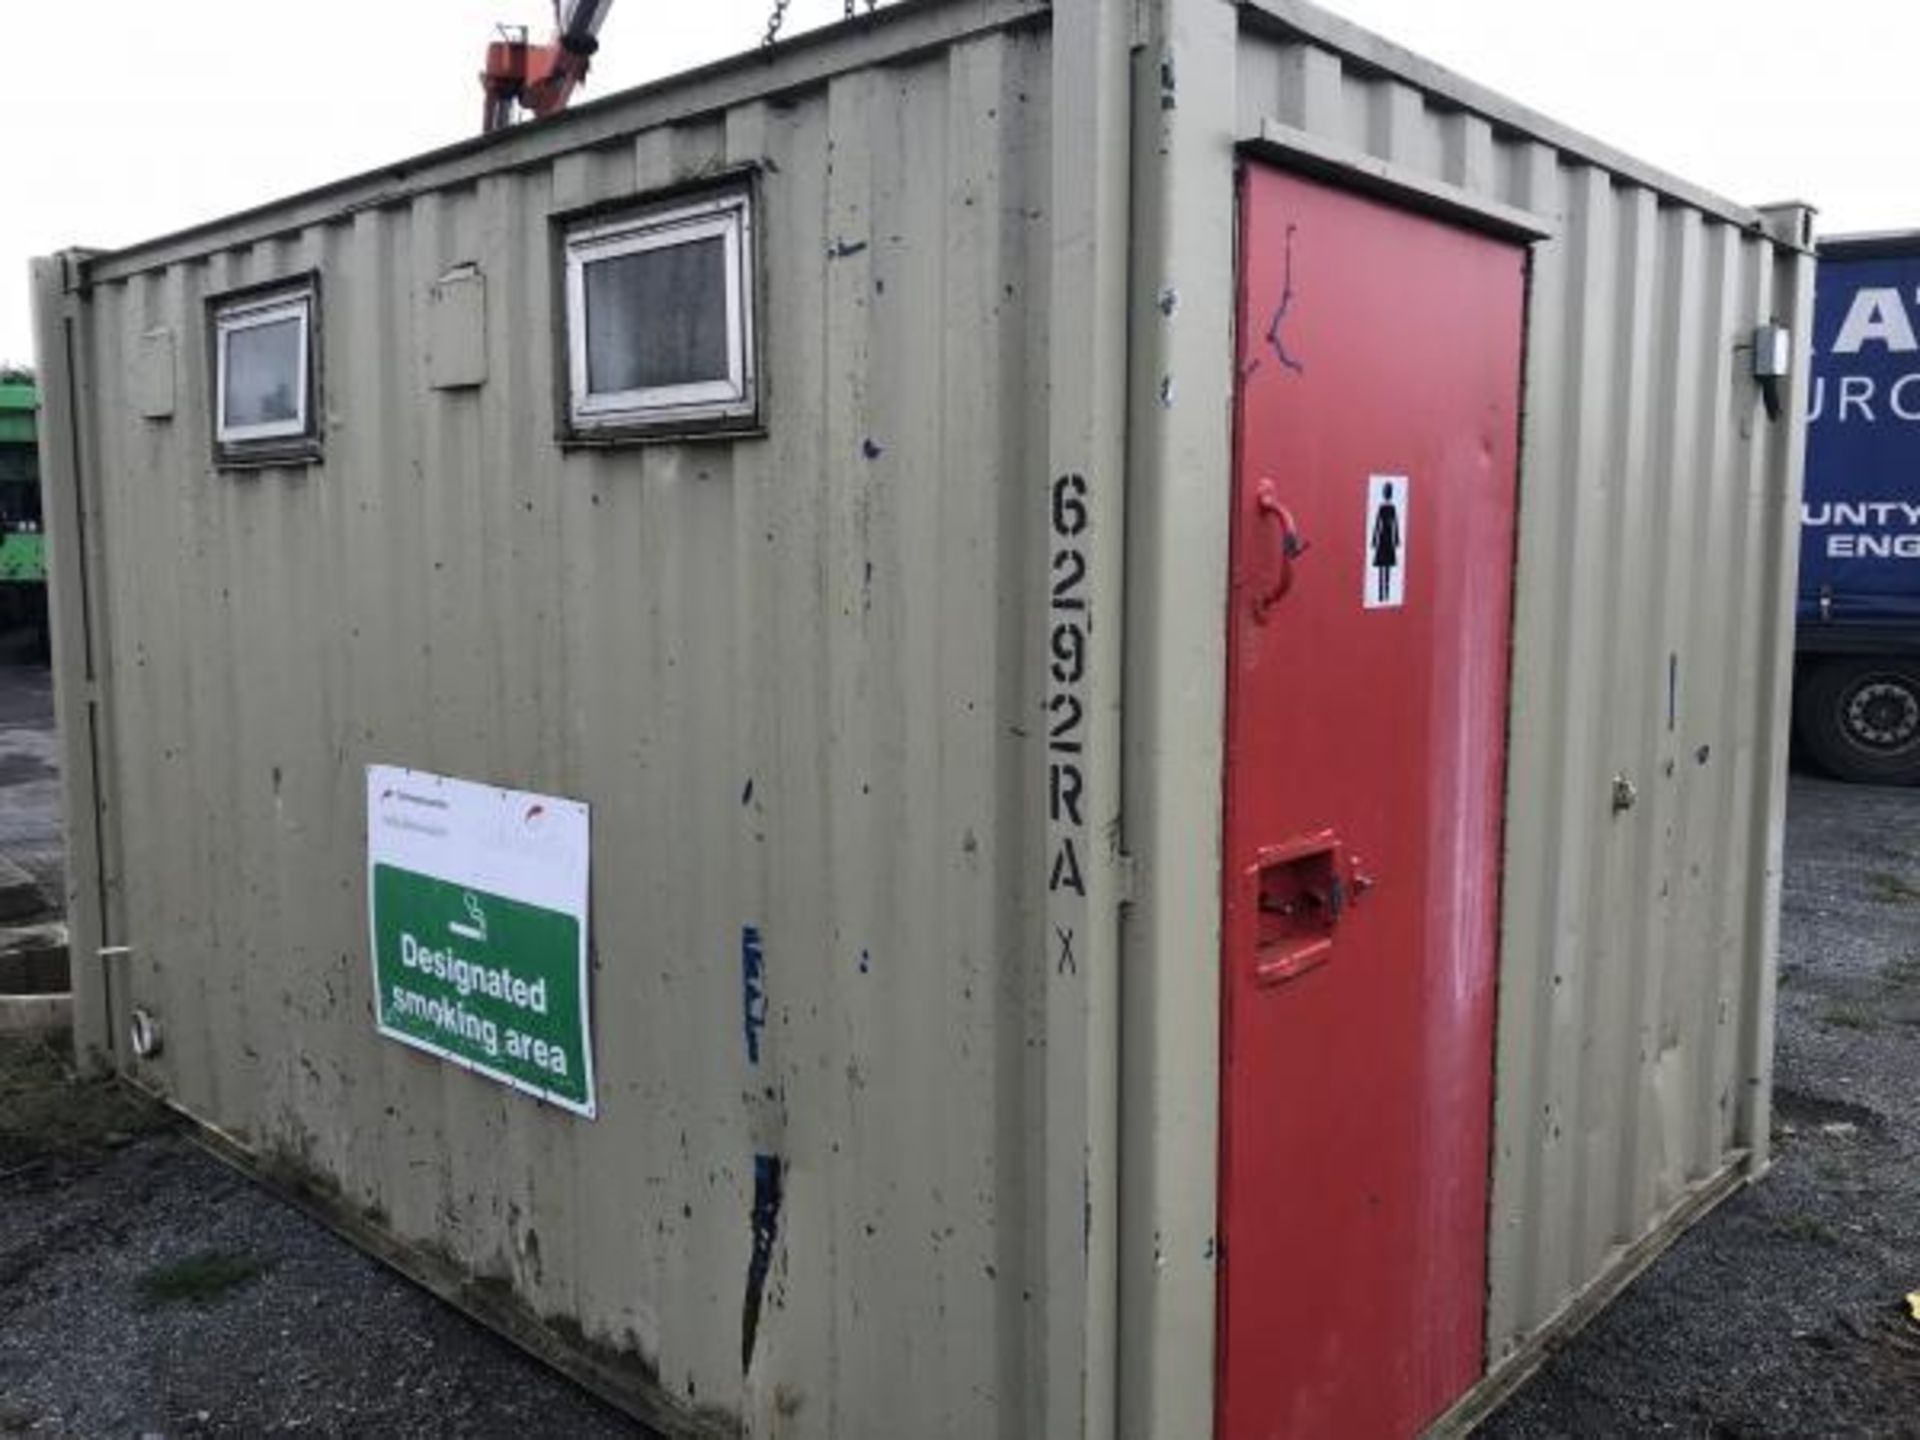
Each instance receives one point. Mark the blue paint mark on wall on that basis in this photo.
(766, 1229)
(753, 989)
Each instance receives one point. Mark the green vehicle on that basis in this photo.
(23, 554)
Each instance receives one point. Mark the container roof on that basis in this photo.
(810, 58)
(896, 30)
(1364, 49)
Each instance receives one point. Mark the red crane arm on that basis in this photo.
(541, 78)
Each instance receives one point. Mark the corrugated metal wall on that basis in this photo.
(1652, 625)
(801, 681)
(796, 678)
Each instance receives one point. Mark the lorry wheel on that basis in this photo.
(1860, 719)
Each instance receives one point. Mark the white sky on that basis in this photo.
(150, 116)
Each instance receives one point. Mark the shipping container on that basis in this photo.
(1015, 720)
(1857, 643)
(23, 567)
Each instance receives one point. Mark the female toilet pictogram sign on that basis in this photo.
(1384, 546)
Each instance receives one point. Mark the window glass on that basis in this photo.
(660, 319)
(657, 317)
(263, 373)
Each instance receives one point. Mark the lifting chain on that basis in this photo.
(774, 22)
(779, 17)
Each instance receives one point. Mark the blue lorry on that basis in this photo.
(1857, 641)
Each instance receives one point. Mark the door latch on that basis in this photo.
(1302, 888)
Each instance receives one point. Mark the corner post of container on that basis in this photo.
(79, 649)
(1076, 1173)
(1181, 303)
(1790, 226)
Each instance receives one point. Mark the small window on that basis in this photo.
(660, 319)
(263, 360)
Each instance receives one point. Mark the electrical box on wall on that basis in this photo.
(1772, 351)
(153, 375)
(457, 329)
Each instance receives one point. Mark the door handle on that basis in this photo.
(1302, 890)
(1288, 547)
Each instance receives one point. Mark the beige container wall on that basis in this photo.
(798, 680)
(801, 680)
(1653, 622)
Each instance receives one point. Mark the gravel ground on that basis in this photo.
(1783, 1313)
(29, 773)
(148, 1290)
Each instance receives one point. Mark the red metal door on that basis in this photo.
(1366, 718)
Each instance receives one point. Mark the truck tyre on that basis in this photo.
(1860, 719)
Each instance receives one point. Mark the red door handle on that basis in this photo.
(1300, 891)
(1289, 547)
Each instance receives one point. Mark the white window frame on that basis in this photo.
(229, 320)
(727, 217)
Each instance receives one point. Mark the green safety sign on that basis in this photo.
(477, 901)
